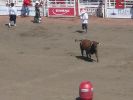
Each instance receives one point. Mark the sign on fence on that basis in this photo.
(61, 12)
(120, 13)
(119, 4)
(61, 8)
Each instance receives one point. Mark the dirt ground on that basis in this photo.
(43, 62)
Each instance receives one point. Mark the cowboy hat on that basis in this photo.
(37, 2)
(83, 11)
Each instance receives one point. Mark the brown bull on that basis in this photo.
(90, 47)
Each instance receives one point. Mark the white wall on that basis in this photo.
(2, 2)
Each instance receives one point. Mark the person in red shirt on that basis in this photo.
(25, 9)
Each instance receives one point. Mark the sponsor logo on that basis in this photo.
(60, 11)
(84, 90)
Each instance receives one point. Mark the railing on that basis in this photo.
(61, 3)
(89, 3)
(127, 3)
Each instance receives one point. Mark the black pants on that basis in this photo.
(84, 26)
(13, 18)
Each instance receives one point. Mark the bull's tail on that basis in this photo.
(76, 40)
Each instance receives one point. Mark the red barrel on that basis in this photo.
(86, 90)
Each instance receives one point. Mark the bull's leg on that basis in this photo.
(96, 54)
(82, 51)
(87, 54)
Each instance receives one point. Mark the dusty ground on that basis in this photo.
(42, 61)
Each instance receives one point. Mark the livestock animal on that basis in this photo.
(90, 47)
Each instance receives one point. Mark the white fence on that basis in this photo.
(19, 6)
(112, 9)
(61, 8)
(94, 8)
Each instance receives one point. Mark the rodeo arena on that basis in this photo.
(72, 8)
(66, 50)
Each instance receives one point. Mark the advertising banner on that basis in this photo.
(63, 12)
(90, 10)
(119, 4)
(120, 13)
(3, 10)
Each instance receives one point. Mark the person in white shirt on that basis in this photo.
(37, 17)
(12, 14)
(84, 19)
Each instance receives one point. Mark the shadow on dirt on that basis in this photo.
(79, 31)
(77, 98)
(33, 21)
(85, 58)
(6, 24)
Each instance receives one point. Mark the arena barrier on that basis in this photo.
(19, 5)
(71, 8)
(119, 8)
(93, 7)
(61, 8)
(4, 10)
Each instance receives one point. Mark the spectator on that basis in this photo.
(25, 9)
(12, 14)
(37, 18)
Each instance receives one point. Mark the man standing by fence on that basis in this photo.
(37, 17)
(25, 9)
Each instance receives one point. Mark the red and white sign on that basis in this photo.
(61, 12)
(89, 10)
(119, 4)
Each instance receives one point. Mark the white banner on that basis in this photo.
(120, 13)
(4, 10)
(3, 2)
(90, 10)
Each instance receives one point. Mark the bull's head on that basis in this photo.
(94, 49)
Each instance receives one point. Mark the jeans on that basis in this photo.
(25, 11)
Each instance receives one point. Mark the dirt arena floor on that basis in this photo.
(43, 62)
